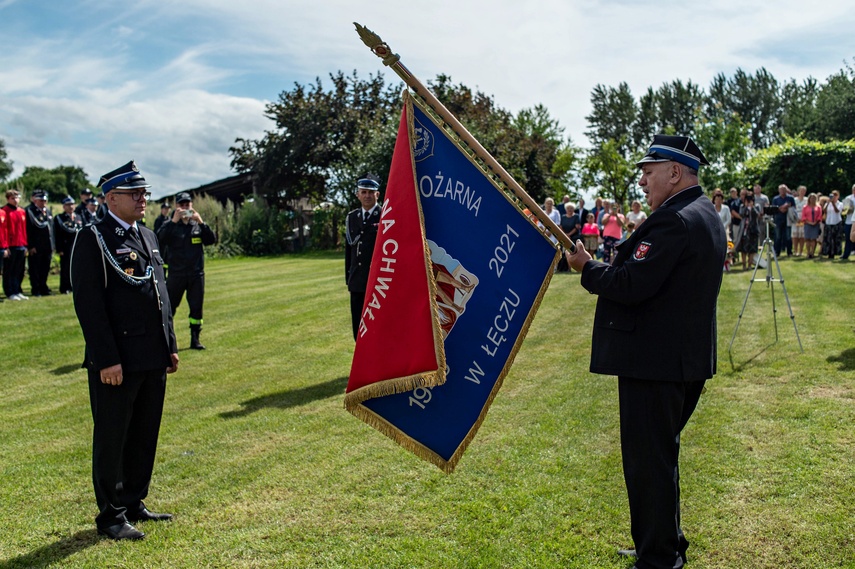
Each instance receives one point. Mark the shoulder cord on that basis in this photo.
(68, 226)
(35, 220)
(108, 258)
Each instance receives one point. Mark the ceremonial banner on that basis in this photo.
(457, 275)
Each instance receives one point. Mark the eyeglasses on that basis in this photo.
(136, 196)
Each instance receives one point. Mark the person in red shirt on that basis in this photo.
(16, 240)
(4, 245)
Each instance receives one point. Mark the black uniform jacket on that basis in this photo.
(184, 242)
(39, 229)
(65, 230)
(122, 323)
(655, 314)
(360, 237)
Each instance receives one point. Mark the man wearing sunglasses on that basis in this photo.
(123, 308)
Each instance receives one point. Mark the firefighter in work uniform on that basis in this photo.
(184, 236)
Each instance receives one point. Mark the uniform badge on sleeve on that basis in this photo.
(641, 251)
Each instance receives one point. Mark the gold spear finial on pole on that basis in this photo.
(380, 48)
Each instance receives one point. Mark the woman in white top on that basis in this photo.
(636, 216)
(722, 210)
(798, 227)
(833, 225)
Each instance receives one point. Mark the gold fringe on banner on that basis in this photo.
(424, 379)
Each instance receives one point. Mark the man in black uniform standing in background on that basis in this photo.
(655, 328)
(123, 308)
(360, 234)
(184, 236)
(39, 243)
(65, 228)
(82, 211)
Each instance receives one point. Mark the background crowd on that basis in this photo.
(797, 223)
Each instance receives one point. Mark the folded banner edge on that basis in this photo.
(377, 422)
(393, 386)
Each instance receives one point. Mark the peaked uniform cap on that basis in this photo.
(368, 184)
(125, 177)
(670, 148)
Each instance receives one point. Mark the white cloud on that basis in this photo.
(159, 82)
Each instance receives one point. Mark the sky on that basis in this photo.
(171, 85)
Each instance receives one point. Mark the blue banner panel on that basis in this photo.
(491, 267)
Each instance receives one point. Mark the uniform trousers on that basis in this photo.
(652, 415)
(38, 265)
(194, 286)
(357, 300)
(13, 271)
(65, 272)
(124, 440)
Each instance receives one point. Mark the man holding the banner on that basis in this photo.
(655, 328)
(360, 234)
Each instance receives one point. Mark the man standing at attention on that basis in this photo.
(39, 243)
(184, 236)
(123, 309)
(659, 297)
(360, 233)
(65, 228)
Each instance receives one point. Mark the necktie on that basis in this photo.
(365, 215)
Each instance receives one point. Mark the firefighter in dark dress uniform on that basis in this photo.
(123, 308)
(184, 236)
(655, 328)
(82, 211)
(39, 243)
(65, 228)
(360, 235)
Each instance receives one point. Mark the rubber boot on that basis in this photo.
(195, 330)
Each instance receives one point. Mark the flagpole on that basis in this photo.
(382, 50)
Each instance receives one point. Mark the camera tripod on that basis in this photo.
(770, 280)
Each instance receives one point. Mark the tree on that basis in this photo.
(5, 163)
(613, 118)
(58, 182)
(725, 145)
(607, 168)
(678, 107)
(834, 117)
(310, 152)
(755, 99)
(799, 106)
(821, 167)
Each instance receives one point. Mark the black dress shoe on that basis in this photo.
(145, 516)
(627, 553)
(121, 531)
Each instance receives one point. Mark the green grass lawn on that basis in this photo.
(263, 467)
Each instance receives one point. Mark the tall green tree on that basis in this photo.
(58, 182)
(613, 117)
(725, 142)
(5, 163)
(834, 117)
(310, 152)
(799, 106)
(756, 100)
(609, 170)
(678, 107)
